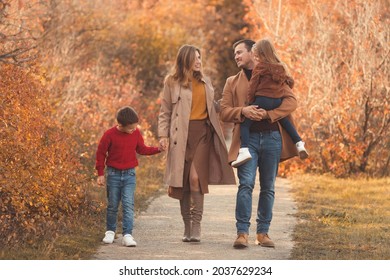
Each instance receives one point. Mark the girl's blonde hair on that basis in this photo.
(265, 50)
(185, 61)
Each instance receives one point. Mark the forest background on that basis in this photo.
(67, 66)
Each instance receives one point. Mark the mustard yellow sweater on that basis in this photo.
(198, 106)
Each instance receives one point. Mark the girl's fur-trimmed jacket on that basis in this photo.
(269, 80)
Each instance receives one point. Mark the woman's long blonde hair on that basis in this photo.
(185, 60)
(265, 50)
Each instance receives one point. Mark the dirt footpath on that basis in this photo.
(158, 231)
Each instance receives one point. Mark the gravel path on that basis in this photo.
(158, 231)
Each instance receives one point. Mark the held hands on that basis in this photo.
(254, 113)
(163, 144)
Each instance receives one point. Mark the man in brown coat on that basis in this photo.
(268, 144)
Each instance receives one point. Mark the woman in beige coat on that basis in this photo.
(189, 128)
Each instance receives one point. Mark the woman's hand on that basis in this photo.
(163, 143)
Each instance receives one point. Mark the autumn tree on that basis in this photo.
(18, 33)
(223, 26)
(97, 59)
(339, 55)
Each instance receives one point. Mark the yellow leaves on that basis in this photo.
(37, 158)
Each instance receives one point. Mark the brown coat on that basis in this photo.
(173, 122)
(233, 100)
(269, 80)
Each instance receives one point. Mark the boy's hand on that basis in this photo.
(101, 181)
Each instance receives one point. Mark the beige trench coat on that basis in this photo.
(233, 100)
(173, 122)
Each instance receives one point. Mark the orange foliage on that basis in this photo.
(115, 55)
(19, 30)
(339, 56)
(40, 187)
(94, 57)
(118, 52)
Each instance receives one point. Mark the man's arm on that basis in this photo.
(230, 112)
(235, 113)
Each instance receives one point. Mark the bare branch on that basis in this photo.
(383, 61)
(12, 56)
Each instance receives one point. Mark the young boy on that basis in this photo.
(117, 150)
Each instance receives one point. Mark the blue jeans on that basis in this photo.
(265, 148)
(120, 188)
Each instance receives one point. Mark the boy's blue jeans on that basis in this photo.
(120, 187)
(265, 148)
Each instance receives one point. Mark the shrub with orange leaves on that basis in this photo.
(40, 187)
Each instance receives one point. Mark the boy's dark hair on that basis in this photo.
(248, 44)
(126, 115)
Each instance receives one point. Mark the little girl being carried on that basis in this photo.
(267, 87)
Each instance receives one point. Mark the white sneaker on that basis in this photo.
(109, 237)
(243, 156)
(128, 241)
(301, 150)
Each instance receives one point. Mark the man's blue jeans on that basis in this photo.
(265, 148)
(120, 187)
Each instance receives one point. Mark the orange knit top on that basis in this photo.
(198, 106)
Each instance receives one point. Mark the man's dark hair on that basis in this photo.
(248, 44)
(126, 116)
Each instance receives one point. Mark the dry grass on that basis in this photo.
(77, 241)
(341, 219)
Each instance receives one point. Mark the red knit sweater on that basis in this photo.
(118, 149)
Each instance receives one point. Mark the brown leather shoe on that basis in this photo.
(263, 240)
(241, 241)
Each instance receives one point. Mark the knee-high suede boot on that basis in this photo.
(197, 213)
(185, 209)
